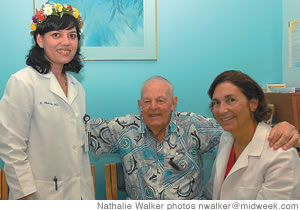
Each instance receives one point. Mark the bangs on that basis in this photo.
(56, 23)
(66, 22)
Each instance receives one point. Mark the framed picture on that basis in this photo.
(116, 29)
(294, 43)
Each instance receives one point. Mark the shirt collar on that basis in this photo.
(173, 123)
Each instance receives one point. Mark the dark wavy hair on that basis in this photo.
(36, 57)
(249, 88)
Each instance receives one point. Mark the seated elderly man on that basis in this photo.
(162, 151)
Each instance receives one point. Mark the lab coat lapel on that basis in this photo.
(225, 147)
(56, 89)
(242, 162)
(72, 89)
(254, 148)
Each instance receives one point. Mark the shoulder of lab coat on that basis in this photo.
(281, 173)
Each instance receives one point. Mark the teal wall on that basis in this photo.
(290, 10)
(197, 39)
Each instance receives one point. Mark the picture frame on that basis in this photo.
(294, 43)
(143, 49)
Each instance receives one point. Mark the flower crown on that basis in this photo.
(57, 9)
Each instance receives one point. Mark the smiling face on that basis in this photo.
(232, 109)
(59, 46)
(157, 104)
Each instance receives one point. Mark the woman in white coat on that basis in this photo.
(42, 134)
(245, 166)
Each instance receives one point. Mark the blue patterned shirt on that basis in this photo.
(170, 169)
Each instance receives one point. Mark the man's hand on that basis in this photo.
(284, 135)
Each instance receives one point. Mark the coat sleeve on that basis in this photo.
(209, 131)
(104, 134)
(16, 108)
(282, 177)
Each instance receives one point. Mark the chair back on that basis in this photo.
(114, 180)
(3, 186)
(0, 185)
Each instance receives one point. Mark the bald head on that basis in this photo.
(161, 79)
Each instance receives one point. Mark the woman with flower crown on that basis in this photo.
(42, 133)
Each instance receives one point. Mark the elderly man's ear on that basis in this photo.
(140, 105)
(174, 103)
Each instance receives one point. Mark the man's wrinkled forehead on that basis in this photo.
(160, 86)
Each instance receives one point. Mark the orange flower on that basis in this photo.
(75, 13)
(33, 26)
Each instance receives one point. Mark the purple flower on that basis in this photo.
(34, 19)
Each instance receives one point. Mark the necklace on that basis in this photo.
(66, 80)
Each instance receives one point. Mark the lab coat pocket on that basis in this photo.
(48, 190)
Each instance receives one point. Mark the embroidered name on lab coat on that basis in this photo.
(49, 103)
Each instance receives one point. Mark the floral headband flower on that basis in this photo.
(57, 9)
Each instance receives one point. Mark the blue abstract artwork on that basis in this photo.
(111, 23)
(116, 29)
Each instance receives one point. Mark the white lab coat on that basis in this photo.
(42, 136)
(259, 173)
